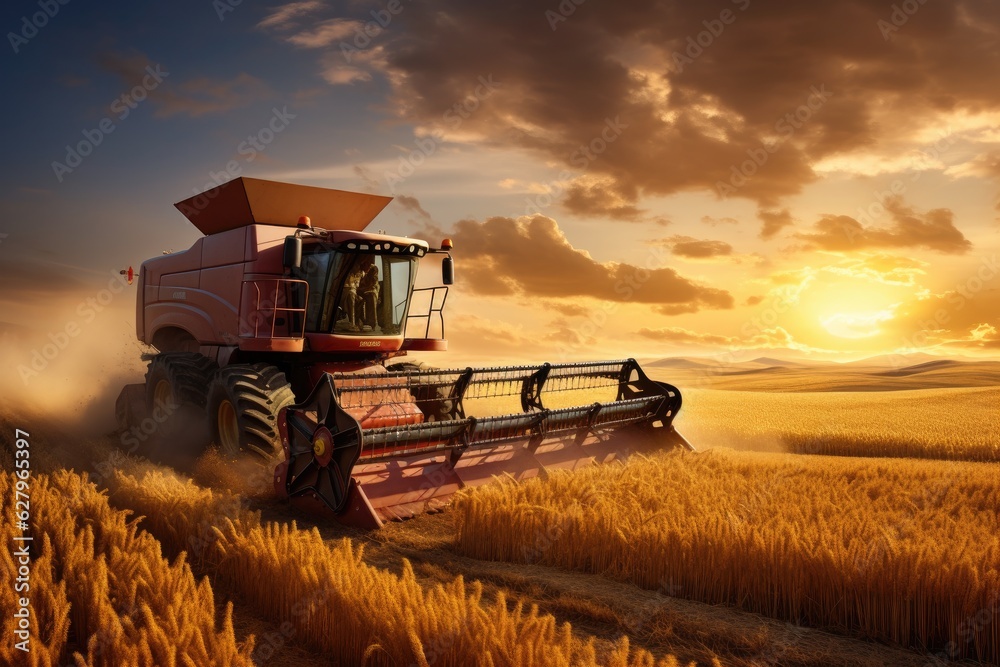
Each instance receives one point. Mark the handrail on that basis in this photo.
(431, 310)
(273, 309)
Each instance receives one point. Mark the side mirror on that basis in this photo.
(448, 270)
(292, 256)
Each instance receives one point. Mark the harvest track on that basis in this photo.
(596, 606)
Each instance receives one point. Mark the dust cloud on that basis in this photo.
(65, 360)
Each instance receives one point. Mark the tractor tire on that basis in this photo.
(176, 379)
(243, 406)
(175, 396)
(433, 401)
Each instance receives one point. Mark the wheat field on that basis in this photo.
(99, 584)
(350, 611)
(901, 551)
(949, 424)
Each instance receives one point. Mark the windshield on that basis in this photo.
(357, 294)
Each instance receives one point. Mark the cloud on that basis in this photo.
(202, 96)
(686, 124)
(286, 16)
(689, 126)
(692, 248)
(961, 316)
(685, 336)
(412, 204)
(882, 268)
(776, 338)
(193, 97)
(363, 65)
(370, 182)
(983, 336)
(934, 230)
(601, 198)
(774, 222)
(567, 308)
(569, 336)
(344, 57)
(715, 222)
(325, 33)
(531, 257)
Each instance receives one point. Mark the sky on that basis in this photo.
(642, 179)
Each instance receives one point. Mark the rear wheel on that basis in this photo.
(243, 406)
(176, 379)
(176, 392)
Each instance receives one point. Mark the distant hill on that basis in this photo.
(938, 365)
(678, 362)
(770, 361)
(896, 361)
(759, 371)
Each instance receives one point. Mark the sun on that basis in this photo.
(856, 325)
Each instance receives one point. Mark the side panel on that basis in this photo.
(170, 281)
(178, 262)
(220, 298)
(149, 312)
(264, 249)
(224, 249)
(197, 290)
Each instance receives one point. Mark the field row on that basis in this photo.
(902, 551)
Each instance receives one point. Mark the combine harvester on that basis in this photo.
(279, 326)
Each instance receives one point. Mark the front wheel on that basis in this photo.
(243, 406)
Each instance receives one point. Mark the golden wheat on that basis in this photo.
(355, 613)
(901, 550)
(48, 608)
(951, 424)
(116, 595)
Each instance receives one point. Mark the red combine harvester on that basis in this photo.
(278, 327)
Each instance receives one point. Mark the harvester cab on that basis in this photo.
(282, 326)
